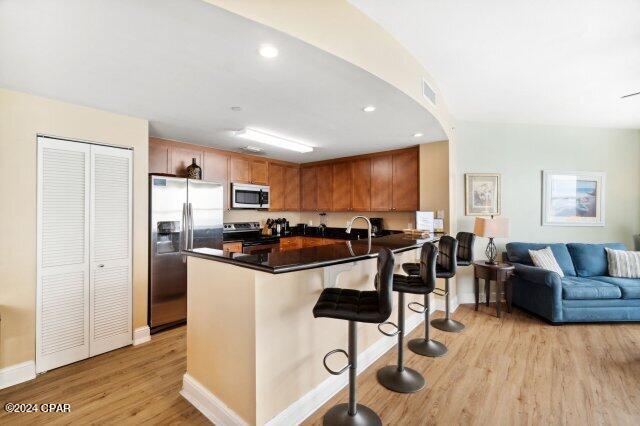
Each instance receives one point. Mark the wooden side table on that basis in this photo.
(498, 273)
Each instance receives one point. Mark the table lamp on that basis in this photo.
(494, 227)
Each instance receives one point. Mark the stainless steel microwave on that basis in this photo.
(245, 196)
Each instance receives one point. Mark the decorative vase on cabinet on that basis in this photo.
(194, 171)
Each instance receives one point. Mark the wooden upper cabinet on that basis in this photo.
(259, 172)
(159, 154)
(341, 186)
(277, 190)
(239, 170)
(405, 181)
(381, 181)
(292, 188)
(181, 158)
(308, 189)
(324, 176)
(215, 168)
(361, 185)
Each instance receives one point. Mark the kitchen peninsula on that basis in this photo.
(254, 350)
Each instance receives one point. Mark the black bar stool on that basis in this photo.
(427, 346)
(446, 268)
(465, 248)
(356, 306)
(399, 378)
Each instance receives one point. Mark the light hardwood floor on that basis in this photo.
(514, 370)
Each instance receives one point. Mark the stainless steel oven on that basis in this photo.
(245, 196)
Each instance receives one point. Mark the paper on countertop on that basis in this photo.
(424, 221)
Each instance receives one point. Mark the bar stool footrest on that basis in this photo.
(440, 292)
(343, 369)
(421, 310)
(394, 333)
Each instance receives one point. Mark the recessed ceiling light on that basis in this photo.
(369, 108)
(236, 108)
(268, 51)
(269, 139)
(418, 135)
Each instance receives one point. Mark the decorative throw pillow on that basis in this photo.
(623, 264)
(546, 260)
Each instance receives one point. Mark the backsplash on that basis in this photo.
(395, 220)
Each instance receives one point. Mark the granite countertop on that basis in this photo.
(313, 257)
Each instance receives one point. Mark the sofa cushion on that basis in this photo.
(629, 287)
(590, 260)
(585, 288)
(519, 253)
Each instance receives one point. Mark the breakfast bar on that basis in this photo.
(254, 350)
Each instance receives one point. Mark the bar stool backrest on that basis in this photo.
(428, 256)
(447, 255)
(465, 246)
(386, 262)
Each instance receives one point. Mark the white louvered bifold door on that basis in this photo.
(62, 302)
(111, 227)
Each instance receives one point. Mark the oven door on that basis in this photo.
(249, 196)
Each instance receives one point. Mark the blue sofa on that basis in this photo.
(585, 294)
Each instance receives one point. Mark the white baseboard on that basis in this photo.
(439, 304)
(17, 373)
(314, 399)
(141, 335)
(207, 403)
(471, 298)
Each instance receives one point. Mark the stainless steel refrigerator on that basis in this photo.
(183, 214)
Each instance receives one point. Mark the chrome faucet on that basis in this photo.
(350, 224)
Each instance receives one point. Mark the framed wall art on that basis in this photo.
(482, 194)
(573, 198)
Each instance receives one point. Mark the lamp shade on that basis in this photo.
(495, 227)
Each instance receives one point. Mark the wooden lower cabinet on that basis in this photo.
(232, 247)
(298, 242)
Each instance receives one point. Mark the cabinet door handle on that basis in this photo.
(101, 265)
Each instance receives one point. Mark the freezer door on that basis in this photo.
(206, 206)
(167, 271)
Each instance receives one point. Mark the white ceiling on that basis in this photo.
(543, 62)
(183, 64)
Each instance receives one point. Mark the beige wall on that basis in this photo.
(520, 153)
(434, 178)
(22, 117)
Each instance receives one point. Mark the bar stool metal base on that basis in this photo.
(425, 347)
(447, 324)
(406, 380)
(339, 416)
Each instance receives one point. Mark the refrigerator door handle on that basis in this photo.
(191, 229)
(183, 232)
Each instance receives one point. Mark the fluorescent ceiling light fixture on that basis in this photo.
(418, 135)
(278, 141)
(268, 51)
(369, 108)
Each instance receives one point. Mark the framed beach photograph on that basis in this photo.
(573, 198)
(482, 194)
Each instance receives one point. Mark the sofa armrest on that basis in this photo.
(537, 275)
